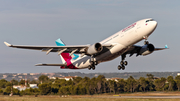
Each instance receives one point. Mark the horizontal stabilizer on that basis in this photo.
(50, 64)
(166, 47)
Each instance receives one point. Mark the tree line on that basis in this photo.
(86, 85)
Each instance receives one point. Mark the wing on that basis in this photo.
(78, 49)
(136, 49)
(67, 49)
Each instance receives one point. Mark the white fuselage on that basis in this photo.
(121, 41)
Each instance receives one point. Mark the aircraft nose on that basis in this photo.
(153, 25)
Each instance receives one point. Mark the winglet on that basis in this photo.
(7, 44)
(166, 46)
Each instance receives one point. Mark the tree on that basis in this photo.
(143, 83)
(3, 83)
(43, 78)
(177, 79)
(150, 79)
(100, 81)
(55, 87)
(33, 82)
(1, 91)
(70, 82)
(93, 86)
(121, 86)
(85, 83)
(44, 88)
(22, 82)
(77, 80)
(82, 90)
(15, 91)
(30, 91)
(64, 90)
(8, 84)
(14, 82)
(131, 84)
(112, 86)
(7, 91)
(71, 90)
(160, 83)
(171, 83)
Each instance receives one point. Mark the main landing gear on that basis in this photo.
(123, 63)
(93, 63)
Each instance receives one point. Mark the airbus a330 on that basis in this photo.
(119, 44)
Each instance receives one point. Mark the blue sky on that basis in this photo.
(78, 22)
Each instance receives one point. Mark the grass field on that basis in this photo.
(97, 97)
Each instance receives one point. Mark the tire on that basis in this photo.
(122, 62)
(92, 62)
(119, 67)
(123, 67)
(93, 68)
(89, 67)
(125, 63)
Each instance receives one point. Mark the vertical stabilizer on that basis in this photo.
(65, 56)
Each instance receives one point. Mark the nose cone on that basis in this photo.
(154, 23)
(152, 26)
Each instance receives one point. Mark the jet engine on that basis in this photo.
(146, 49)
(94, 49)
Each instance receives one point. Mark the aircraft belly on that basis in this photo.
(115, 52)
(109, 58)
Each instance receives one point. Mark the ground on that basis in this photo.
(152, 96)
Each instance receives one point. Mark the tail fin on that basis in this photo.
(65, 56)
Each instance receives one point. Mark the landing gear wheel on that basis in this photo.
(89, 67)
(122, 62)
(95, 63)
(125, 63)
(93, 68)
(92, 62)
(119, 67)
(123, 67)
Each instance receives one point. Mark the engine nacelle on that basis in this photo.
(94, 49)
(147, 49)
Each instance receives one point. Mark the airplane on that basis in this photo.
(119, 44)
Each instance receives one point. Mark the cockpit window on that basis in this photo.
(149, 20)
